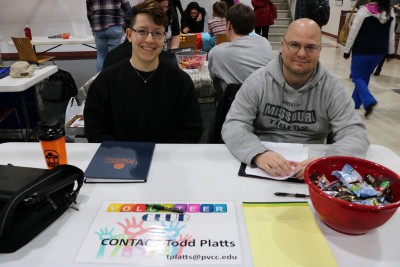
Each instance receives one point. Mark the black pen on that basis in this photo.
(159, 207)
(282, 194)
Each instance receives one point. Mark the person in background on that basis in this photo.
(136, 99)
(228, 3)
(217, 24)
(264, 16)
(193, 17)
(234, 61)
(320, 15)
(371, 38)
(106, 19)
(177, 5)
(293, 99)
(396, 8)
(173, 30)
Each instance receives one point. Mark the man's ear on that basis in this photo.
(128, 34)
(228, 26)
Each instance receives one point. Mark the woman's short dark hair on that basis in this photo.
(152, 8)
(242, 18)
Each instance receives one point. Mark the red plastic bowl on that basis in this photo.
(343, 216)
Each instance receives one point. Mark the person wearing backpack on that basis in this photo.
(317, 10)
(371, 38)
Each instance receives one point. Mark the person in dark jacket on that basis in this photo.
(264, 16)
(371, 38)
(177, 5)
(193, 18)
(136, 99)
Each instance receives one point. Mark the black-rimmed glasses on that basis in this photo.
(145, 33)
(295, 47)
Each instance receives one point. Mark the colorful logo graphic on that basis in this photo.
(52, 158)
(119, 163)
(188, 208)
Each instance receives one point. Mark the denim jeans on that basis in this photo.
(362, 67)
(106, 40)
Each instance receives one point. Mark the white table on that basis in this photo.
(189, 172)
(17, 85)
(56, 42)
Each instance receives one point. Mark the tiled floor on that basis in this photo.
(384, 123)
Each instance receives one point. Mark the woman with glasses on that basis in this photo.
(371, 38)
(193, 17)
(140, 98)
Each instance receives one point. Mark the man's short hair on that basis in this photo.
(242, 18)
(153, 9)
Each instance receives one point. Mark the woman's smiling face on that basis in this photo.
(146, 48)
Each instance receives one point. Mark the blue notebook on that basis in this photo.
(120, 162)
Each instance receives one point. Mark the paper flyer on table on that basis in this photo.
(292, 152)
(285, 235)
(132, 232)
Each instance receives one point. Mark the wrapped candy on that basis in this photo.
(352, 187)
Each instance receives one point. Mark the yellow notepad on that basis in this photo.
(286, 234)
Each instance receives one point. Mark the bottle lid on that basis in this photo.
(50, 131)
(26, 26)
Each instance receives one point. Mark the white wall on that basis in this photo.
(44, 17)
(51, 17)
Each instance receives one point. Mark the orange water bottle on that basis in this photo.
(52, 139)
(28, 32)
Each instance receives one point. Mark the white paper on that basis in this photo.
(291, 152)
(206, 234)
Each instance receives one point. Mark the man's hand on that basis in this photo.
(301, 166)
(274, 164)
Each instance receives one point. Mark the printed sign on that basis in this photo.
(145, 233)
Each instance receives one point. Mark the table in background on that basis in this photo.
(203, 84)
(18, 85)
(56, 42)
(189, 172)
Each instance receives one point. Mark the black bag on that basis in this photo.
(59, 87)
(319, 11)
(31, 199)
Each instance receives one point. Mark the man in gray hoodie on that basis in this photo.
(293, 99)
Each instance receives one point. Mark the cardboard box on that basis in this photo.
(75, 126)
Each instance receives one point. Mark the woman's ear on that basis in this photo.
(128, 34)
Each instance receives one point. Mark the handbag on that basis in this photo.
(345, 30)
(59, 87)
(31, 199)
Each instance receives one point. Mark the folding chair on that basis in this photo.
(27, 53)
(224, 104)
(220, 38)
(189, 40)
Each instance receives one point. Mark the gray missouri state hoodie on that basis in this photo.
(266, 108)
